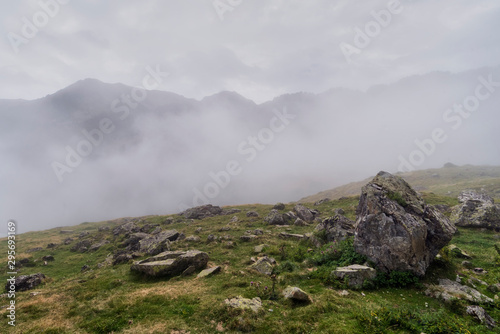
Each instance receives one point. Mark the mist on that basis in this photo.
(125, 109)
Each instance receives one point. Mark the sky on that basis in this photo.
(260, 48)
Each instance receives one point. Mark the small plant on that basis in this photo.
(395, 279)
(337, 254)
(397, 198)
(264, 291)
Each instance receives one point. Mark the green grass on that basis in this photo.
(112, 299)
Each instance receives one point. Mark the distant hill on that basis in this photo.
(448, 181)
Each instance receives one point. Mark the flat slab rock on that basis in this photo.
(171, 263)
(448, 290)
(355, 274)
(254, 304)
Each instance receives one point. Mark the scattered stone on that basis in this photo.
(264, 265)
(98, 245)
(252, 214)
(228, 212)
(355, 275)
(168, 221)
(336, 228)
(126, 228)
(248, 237)
(299, 222)
(25, 282)
(103, 229)
(121, 257)
(83, 234)
(229, 245)
(480, 271)
(343, 293)
(258, 232)
(211, 238)
(82, 246)
(241, 303)
(304, 213)
(260, 248)
(321, 201)
(34, 293)
(203, 211)
(209, 272)
(193, 238)
(275, 218)
(33, 250)
(133, 241)
(296, 294)
(448, 290)
(476, 281)
(85, 268)
(396, 229)
(339, 212)
(171, 263)
(48, 258)
(234, 219)
(286, 235)
(51, 245)
(457, 252)
(279, 206)
(225, 228)
(65, 231)
(480, 314)
(198, 230)
(476, 210)
(67, 241)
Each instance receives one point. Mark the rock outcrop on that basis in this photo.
(476, 210)
(395, 228)
(171, 263)
(254, 304)
(201, 212)
(448, 290)
(336, 228)
(304, 213)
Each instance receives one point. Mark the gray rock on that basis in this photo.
(248, 237)
(296, 294)
(448, 290)
(321, 201)
(34, 250)
(241, 303)
(275, 218)
(103, 229)
(258, 231)
(189, 271)
(396, 229)
(299, 222)
(355, 275)
(457, 252)
(133, 240)
(209, 272)
(82, 246)
(66, 231)
(480, 314)
(476, 210)
(264, 265)
(211, 238)
(25, 282)
(67, 241)
(126, 228)
(304, 213)
(285, 235)
(229, 245)
(279, 206)
(336, 228)
(52, 245)
(234, 219)
(193, 238)
(252, 214)
(171, 263)
(98, 245)
(158, 243)
(203, 211)
(198, 230)
(48, 258)
(260, 248)
(227, 212)
(83, 234)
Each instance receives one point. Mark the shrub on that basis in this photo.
(397, 198)
(336, 254)
(395, 279)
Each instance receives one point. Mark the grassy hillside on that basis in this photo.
(446, 181)
(111, 299)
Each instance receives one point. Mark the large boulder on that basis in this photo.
(476, 210)
(277, 218)
(336, 228)
(203, 211)
(24, 282)
(396, 230)
(158, 243)
(171, 263)
(304, 213)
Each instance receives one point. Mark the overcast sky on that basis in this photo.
(258, 48)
